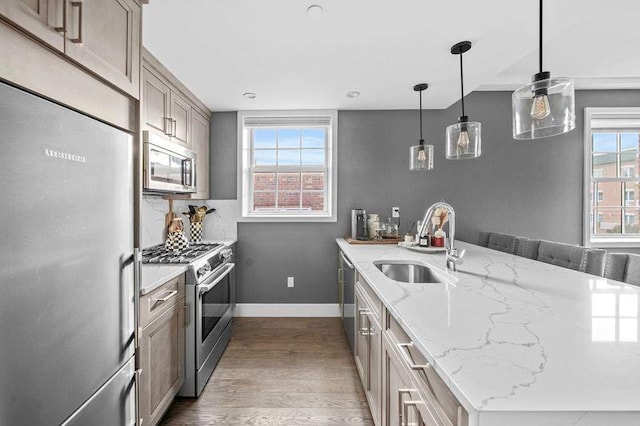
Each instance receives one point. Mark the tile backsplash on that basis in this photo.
(221, 224)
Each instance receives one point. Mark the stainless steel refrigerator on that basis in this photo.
(66, 268)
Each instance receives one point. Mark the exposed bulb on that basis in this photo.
(540, 107)
(422, 156)
(463, 141)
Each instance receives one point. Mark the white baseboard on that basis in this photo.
(287, 310)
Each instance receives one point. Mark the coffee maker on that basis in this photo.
(359, 224)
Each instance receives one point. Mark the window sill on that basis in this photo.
(287, 218)
(615, 243)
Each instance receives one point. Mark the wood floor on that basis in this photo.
(280, 371)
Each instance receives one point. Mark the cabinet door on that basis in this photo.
(396, 387)
(200, 144)
(400, 398)
(104, 36)
(361, 346)
(42, 18)
(162, 363)
(155, 104)
(374, 391)
(181, 118)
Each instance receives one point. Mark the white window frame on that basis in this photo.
(620, 119)
(245, 152)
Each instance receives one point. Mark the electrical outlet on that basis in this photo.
(395, 211)
(289, 281)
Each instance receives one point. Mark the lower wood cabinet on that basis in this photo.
(414, 393)
(368, 351)
(402, 388)
(161, 357)
(398, 409)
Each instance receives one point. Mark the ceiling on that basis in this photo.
(221, 49)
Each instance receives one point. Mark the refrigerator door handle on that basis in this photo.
(137, 281)
(136, 378)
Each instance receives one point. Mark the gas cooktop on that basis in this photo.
(158, 254)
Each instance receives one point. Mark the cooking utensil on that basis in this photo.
(168, 219)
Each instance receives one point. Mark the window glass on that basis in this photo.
(264, 138)
(288, 138)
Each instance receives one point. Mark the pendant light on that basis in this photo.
(463, 138)
(546, 106)
(421, 154)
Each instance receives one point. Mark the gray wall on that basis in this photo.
(529, 188)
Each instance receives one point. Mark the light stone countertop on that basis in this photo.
(519, 341)
(154, 275)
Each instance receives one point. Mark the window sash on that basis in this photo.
(278, 169)
(616, 121)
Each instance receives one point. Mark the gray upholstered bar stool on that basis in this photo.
(573, 257)
(623, 267)
(527, 247)
(497, 241)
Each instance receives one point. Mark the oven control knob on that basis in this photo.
(227, 253)
(204, 269)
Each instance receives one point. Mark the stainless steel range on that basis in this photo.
(210, 298)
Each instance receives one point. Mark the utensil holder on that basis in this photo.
(176, 242)
(196, 232)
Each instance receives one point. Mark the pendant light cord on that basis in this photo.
(421, 140)
(461, 85)
(540, 41)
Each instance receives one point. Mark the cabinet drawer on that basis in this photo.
(435, 393)
(159, 300)
(373, 301)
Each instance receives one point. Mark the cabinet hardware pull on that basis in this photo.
(174, 126)
(364, 331)
(168, 296)
(400, 393)
(406, 355)
(405, 411)
(78, 5)
(167, 127)
(59, 4)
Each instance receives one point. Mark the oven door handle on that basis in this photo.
(203, 288)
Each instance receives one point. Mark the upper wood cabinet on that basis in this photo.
(200, 142)
(42, 18)
(171, 111)
(102, 36)
(181, 118)
(155, 108)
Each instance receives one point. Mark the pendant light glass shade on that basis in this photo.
(463, 140)
(543, 108)
(421, 157)
(546, 106)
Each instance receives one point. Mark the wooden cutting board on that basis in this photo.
(383, 241)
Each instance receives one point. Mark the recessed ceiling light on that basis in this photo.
(353, 94)
(249, 95)
(315, 10)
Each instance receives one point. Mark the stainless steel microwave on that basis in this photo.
(168, 167)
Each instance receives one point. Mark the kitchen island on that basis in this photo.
(518, 341)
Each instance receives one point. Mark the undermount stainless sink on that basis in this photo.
(409, 272)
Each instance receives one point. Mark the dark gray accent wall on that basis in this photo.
(223, 154)
(531, 188)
